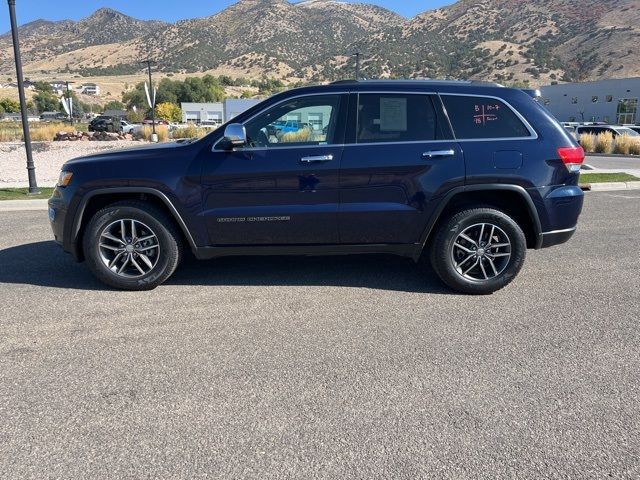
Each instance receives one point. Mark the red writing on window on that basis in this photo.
(485, 114)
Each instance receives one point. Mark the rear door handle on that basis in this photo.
(317, 159)
(438, 154)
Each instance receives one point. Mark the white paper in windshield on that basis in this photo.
(393, 114)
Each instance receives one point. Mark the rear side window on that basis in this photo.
(386, 118)
(483, 118)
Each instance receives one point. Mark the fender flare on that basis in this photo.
(79, 214)
(531, 208)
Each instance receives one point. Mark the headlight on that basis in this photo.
(65, 178)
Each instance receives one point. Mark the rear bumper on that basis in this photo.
(557, 237)
(559, 208)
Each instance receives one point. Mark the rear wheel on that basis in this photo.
(132, 246)
(478, 251)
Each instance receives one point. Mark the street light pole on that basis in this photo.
(152, 99)
(31, 168)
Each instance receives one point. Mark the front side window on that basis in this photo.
(384, 118)
(482, 118)
(301, 121)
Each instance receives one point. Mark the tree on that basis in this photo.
(10, 106)
(43, 87)
(135, 116)
(169, 112)
(192, 90)
(268, 85)
(46, 102)
(135, 97)
(114, 105)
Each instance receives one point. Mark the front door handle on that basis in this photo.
(438, 154)
(317, 159)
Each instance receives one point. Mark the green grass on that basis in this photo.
(22, 194)
(607, 177)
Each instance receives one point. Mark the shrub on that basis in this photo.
(604, 142)
(301, 136)
(588, 142)
(190, 131)
(634, 148)
(48, 132)
(40, 131)
(622, 144)
(161, 130)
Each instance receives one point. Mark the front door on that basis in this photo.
(400, 160)
(283, 187)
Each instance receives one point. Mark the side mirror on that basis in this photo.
(235, 135)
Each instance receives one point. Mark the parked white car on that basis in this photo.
(126, 127)
(614, 129)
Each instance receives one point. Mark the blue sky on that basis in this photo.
(168, 10)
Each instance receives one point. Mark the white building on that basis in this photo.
(90, 89)
(215, 113)
(203, 113)
(235, 106)
(59, 88)
(609, 101)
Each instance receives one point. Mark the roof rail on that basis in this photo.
(417, 80)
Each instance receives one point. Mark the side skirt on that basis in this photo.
(206, 253)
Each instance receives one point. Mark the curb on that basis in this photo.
(23, 205)
(614, 155)
(610, 186)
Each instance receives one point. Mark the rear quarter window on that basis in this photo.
(476, 117)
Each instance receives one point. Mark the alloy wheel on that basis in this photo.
(481, 252)
(129, 248)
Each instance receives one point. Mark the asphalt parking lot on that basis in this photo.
(324, 368)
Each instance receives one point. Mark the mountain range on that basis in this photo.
(539, 41)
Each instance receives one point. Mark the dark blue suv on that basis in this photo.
(468, 175)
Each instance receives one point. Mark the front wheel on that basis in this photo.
(132, 246)
(478, 251)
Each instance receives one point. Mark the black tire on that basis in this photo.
(169, 240)
(442, 252)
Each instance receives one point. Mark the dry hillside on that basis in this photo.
(504, 40)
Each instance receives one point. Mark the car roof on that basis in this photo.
(468, 87)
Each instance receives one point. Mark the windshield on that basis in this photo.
(627, 131)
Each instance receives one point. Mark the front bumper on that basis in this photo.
(57, 216)
(56, 220)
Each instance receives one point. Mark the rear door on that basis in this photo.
(400, 159)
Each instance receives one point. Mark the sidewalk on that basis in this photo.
(22, 205)
(617, 164)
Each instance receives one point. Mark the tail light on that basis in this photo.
(572, 157)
